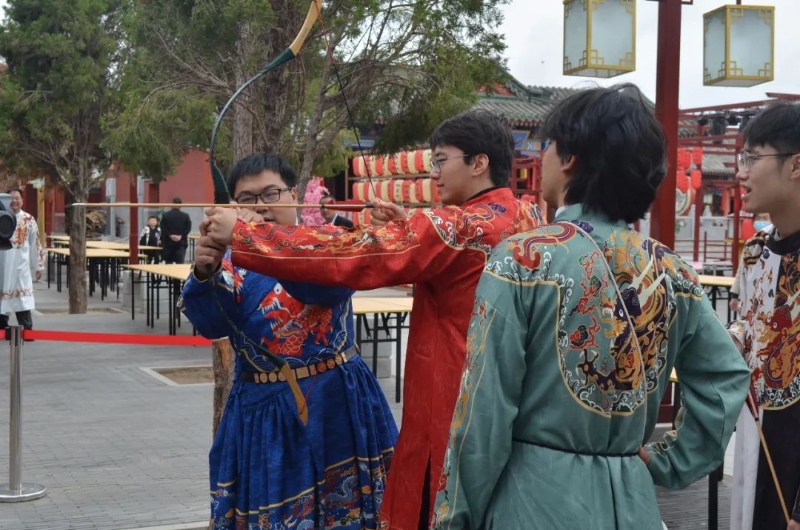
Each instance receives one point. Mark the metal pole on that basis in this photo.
(16, 491)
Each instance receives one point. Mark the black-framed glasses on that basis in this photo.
(746, 159)
(267, 196)
(436, 163)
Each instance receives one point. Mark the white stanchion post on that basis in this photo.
(16, 491)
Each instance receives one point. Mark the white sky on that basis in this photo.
(534, 35)
(534, 32)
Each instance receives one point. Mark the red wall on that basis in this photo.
(191, 182)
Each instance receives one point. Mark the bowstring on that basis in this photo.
(329, 49)
(277, 361)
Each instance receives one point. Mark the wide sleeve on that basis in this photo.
(481, 431)
(365, 257)
(36, 256)
(314, 294)
(211, 305)
(714, 381)
(738, 280)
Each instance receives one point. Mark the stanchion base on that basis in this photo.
(28, 492)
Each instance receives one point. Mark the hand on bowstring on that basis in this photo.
(207, 254)
(219, 224)
(249, 215)
(385, 212)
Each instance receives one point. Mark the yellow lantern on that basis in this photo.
(739, 46)
(599, 37)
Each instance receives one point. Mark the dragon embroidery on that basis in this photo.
(292, 322)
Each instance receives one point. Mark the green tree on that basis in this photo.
(409, 64)
(63, 62)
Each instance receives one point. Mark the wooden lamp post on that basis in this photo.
(600, 41)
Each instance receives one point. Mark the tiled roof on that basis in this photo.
(524, 105)
(716, 165)
(527, 106)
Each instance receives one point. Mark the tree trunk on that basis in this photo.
(242, 118)
(77, 251)
(222, 357)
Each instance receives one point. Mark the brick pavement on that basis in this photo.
(118, 449)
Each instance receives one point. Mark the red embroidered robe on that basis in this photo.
(443, 253)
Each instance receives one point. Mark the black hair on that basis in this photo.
(15, 189)
(256, 164)
(479, 132)
(777, 126)
(326, 196)
(153, 217)
(619, 147)
(176, 200)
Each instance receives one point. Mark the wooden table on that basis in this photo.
(176, 275)
(715, 284)
(388, 307)
(112, 245)
(59, 240)
(104, 261)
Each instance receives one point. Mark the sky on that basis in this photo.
(534, 35)
(534, 32)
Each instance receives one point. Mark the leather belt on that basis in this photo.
(576, 452)
(302, 372)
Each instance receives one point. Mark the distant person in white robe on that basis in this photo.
(19, 265)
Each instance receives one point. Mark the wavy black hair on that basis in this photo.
(619, 147)
(478, 132)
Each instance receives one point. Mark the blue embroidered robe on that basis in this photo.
(267, 469)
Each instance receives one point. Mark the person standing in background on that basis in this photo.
(151, 237)
(332, 217)
(175, 228)
(19, 265)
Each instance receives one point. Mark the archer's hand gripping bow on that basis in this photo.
(222, 193)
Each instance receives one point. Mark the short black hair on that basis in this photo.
(256, 164)
(153, 217)
(777, 126)
(176, 200)
(326, 196)
(479, 132)
(619, 147)
(15, 189)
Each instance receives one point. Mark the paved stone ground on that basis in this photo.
(118, 449)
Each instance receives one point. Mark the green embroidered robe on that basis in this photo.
(558, 396)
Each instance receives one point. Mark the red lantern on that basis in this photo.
(697, 179)
(682, 181)
(684, 158)
(405, 167)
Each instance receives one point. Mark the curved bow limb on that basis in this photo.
(222, 194)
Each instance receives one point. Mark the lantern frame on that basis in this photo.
(590, 60)
(727, 75)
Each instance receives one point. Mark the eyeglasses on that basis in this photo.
(436, 163)
(267, 196)
(746, 159)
